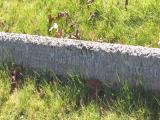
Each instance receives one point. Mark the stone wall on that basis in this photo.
(90, 60)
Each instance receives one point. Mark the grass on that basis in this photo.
(42, 100)
(39, 99)
(138, 25)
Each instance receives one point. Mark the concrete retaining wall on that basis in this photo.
(91, 60)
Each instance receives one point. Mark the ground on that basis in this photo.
(41, 100)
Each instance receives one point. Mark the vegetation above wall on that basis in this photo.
(100, 20)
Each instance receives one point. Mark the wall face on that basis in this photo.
(91, 60)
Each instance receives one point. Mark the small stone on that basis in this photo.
(94, 87)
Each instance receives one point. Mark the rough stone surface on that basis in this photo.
(91, 60)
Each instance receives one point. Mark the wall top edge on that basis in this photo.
(79, 44)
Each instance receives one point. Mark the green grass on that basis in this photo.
(139, 25)
(46, 101)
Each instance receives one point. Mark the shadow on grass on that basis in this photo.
(123, 100)
(137, 101)
(129, 99)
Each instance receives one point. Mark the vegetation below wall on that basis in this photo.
(42, 100)
(108, 20)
